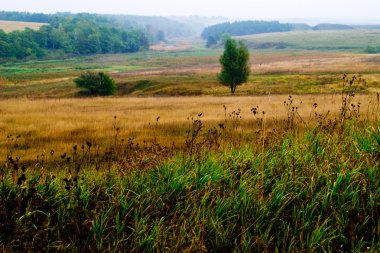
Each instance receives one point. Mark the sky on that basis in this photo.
(237, 9)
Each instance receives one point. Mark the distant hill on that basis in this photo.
(321, 27)
(153, 25)
(214, 33)
(157, 28)
(71, 34)
(240, 28)
(354, 40)
(366, 27)
(300, 27)
(198, 23)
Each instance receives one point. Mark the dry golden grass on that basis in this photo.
(189, 74)
(171, 47)
(326, 63)
(46, 125)
(10, 26)
(264, 63)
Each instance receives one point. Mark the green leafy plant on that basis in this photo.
(235, 64)
(96, 83)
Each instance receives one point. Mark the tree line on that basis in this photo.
(25, 16)
(215, 32)
(80, 34)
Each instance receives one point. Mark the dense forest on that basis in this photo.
(214, 33)
(25, 16)
(79, 34)
(154, 26)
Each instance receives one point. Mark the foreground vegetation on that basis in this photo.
(306, 179)
(197, 173)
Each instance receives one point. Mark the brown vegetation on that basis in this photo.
(60, 123)
(10, 26)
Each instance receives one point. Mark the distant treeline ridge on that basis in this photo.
(214, 33)
(79, 34)
(244, 28)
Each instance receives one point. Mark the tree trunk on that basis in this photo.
(233, 87)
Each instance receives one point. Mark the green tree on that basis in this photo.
(160, 36)
(235, 64)
(371, 50)
(211, 40)
(96, 83)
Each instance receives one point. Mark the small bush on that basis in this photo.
(96, 83)
(371, 50)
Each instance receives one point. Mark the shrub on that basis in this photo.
(96, 83)
(370, 50)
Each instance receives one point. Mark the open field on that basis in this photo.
(10, 26)
(149, 170)
(185, 68)
(343, 41)
(190, 73)
(58, 124)
(299, 177)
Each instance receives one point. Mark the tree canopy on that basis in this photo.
(235, 64)
(96, 83)
(80, 34)
(25, 16)
(243, 28)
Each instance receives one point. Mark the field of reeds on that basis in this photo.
(266, 173)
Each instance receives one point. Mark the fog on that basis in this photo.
(330, 10)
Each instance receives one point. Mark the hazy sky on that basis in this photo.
(243, 9)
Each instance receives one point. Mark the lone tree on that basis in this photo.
(96, 83)
(235, 64)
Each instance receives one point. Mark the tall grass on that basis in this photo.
(299, 183)
(313, 192)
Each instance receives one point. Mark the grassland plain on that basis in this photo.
(60, 123)
(262, 173)
(309, 65)
(189, 73)
(268, 173)
(344, 40)
(10, 26)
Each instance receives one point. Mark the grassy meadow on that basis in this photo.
(173, 163)
(271, 174)
(58, 124)
(189, 73)
(329, 40)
